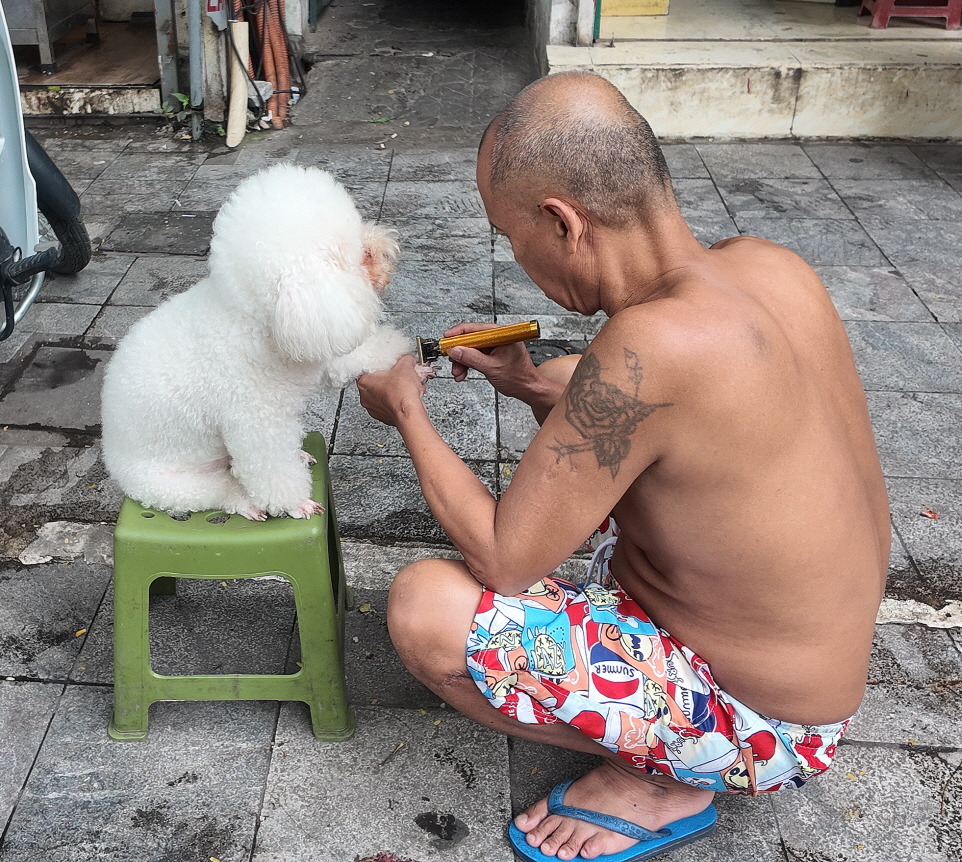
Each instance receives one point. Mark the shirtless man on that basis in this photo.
(719, 417)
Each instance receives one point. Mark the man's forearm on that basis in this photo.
(464, 507)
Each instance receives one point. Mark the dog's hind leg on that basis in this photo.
(193, 489)
(270, 464)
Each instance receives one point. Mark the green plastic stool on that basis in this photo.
(151, 550)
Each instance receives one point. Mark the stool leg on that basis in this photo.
(131, 657)
(320, 625)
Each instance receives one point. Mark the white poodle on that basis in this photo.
(202, 399)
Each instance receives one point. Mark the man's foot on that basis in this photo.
(648, 801)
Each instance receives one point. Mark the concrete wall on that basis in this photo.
(551, 22)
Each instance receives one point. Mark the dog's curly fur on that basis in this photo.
(203, 398)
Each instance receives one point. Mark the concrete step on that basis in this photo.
(902, 89)
(758, 68)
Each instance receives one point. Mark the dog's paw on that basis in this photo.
(425, 372)
(251, 512)
(308, 458)
(306, 509)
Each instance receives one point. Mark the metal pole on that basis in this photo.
(196, 47)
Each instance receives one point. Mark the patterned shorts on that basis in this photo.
(588, 656)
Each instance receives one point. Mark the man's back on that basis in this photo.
(759, 534)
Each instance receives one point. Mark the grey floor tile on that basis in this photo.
(137, 186)
(330, 802)
(435, 165)
(190, 790)
(908, 242)
(373, 567)
(871, 293)
(45, 613)
(442, 248)
(159, 199)
(917, 357)
(375, 674)
(463, 413)
(203, 195)
(917, 433)
(901, 199)
(46, 480)
(151, 280)
(218, 627)
(153, 166)
(59, 318)
(867, 161)
(516, 426)
(208, 627)
(82, 164)
(935, 546)
(114, 320)
(699, 199)
(348, 163)
(909, 701)
(944, 159)
(378, 499)
(825, 241)
(778, 198)
(25, 712)
(684, 161)
(457, 288)
(939, 286)
(19, 343)
(93, 284)
(759, 160)
(876, 802)
(368, 198)
(162, 233)
(516, 293)
(321, 413)
(60, 388)
(954, 331)
(449, 199)
(468, 227)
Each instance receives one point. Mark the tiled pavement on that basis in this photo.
(882, 223)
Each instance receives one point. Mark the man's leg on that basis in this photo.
(430, 612)
(558, 370)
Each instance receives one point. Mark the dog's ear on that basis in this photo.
(322, 315)
(380, 252)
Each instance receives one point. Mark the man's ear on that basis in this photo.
(569, 222)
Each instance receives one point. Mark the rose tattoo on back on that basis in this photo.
(605, 415)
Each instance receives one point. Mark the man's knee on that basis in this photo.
(560, 369)
(430, 609)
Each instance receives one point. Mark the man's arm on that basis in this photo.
(575, 470)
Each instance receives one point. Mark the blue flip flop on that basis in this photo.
(649, 844)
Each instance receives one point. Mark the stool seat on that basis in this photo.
(882, 10)
(152, 550)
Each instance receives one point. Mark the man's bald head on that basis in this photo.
(576, 133)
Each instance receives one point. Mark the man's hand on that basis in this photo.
(508, 368)
(388, 395)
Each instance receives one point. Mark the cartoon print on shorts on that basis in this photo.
(592, 659)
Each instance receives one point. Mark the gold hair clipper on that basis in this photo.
(430, 349)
